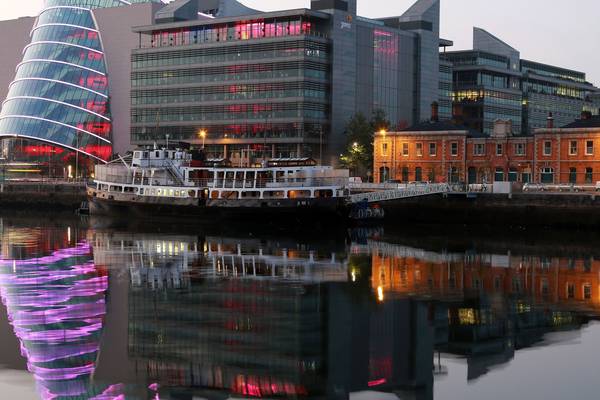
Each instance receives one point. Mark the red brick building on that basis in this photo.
(441, 151)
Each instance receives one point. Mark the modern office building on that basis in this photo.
(279, 84)
(492, 82)
(70, 94)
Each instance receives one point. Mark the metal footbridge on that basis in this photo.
(373, 193)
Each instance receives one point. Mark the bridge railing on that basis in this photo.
(404, 193)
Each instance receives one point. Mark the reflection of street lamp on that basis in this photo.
(77, 158)
(202, 134)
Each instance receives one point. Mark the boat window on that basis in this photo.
(142, 191)
(253, 194)
(137, 154)
(157, 154)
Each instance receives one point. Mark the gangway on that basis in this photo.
(409, 191)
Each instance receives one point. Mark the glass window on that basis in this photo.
(589, 175)
(405, 149)
(547, 175)
(589, 148)
(418, 174)
(573, 175)
(454, 149)
(479, 149)
(432, 149)
(499, 149)
(547, 148)
(587, 291)
(384, 149)
(573, 148)
(499, 175)
(570, 291)
(405, 174)
(519, 149)
(419, 148)
(513, 175)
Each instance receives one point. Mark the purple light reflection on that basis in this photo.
(56, 305)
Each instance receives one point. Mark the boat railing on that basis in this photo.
(221, 183)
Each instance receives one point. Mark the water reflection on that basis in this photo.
(114, 314)
(55, 301)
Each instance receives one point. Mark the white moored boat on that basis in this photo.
(178, 181)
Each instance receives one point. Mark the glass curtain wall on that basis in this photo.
(57, 107)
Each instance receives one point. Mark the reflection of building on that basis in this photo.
(263, 319)
(489, 305)
(61, 103)
(279, 84)
(56, 305)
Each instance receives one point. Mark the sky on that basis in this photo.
(558, 32)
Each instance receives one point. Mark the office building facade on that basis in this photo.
(492, 82)
(66, 98)
(279, 84)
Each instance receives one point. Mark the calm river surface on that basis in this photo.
(96, 310)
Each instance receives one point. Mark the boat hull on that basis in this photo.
(312, 211)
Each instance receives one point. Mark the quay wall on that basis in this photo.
(23, 197)
(519, 209)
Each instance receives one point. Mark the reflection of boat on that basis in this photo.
(180, 182)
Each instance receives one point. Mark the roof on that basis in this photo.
(592, 122)
(443, 126)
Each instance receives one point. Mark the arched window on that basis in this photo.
(547, 175)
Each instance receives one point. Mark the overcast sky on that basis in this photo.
(563, 33)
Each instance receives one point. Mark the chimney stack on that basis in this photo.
(435, 112)
(550, 124)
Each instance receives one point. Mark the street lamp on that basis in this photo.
(203, 136)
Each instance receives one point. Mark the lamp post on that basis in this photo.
(202, 134)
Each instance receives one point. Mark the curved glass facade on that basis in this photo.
(60, 95)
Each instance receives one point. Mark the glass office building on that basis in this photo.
(492, 82)
(58, 105)
(282, 83)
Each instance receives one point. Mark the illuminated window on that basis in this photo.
(466, 316)
(573, 148)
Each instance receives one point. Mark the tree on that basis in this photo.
(359, 140)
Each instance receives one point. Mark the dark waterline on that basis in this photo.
(99, 309)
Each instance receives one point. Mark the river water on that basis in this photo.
(92, 309)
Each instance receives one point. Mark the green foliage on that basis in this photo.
(360, 132)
